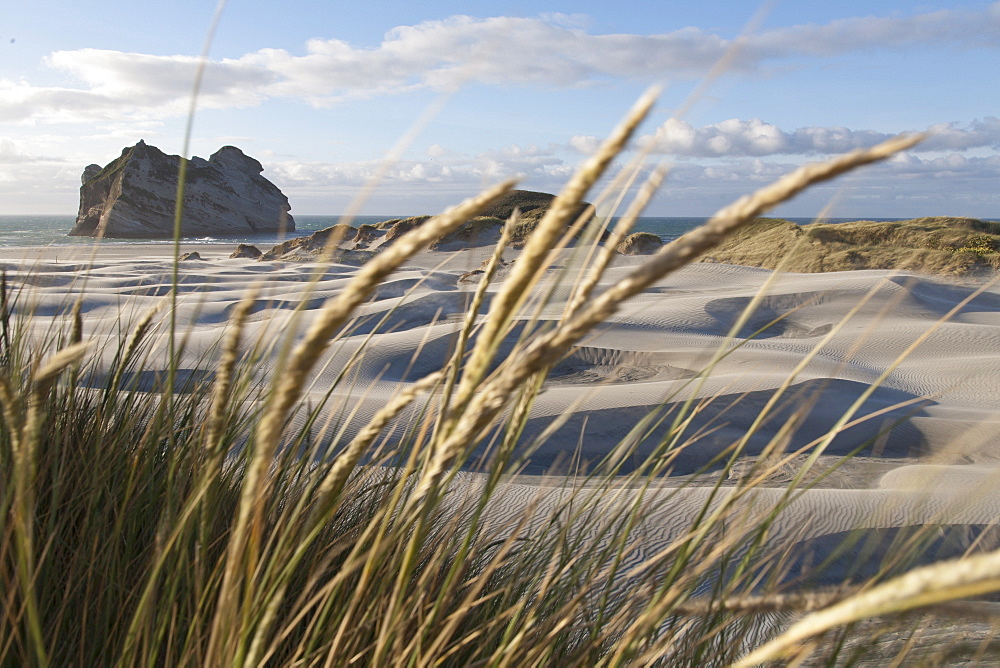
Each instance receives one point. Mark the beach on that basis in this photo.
(918, 450)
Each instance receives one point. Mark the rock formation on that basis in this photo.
(134, 196)
(530, 203)
(532, 206)
(247, 252)
(483, 230)
(340, 236)
(640, 243)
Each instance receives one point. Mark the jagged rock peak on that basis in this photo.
(235, 158)
(89, 172)
(134, 196)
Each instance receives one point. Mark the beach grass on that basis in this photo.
(169, 507)
(954, 247)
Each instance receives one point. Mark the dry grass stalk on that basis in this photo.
(24, 445)
(926, 586)
(471, 315)
(339, 309)
(343, 466)
(607, 252)
(41, 383)
(242, 555)
(970, 576)
(13, 411)
(697, 242)
(132, 346)
(492, 267)
(534, 257)
(806, 601)
(517, 287)
(493, 395)
(226, 367)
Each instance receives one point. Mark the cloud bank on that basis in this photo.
(546, 52)
(120, 96)
(754, 137)
(907, 186)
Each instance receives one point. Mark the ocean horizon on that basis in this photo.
(41, 230)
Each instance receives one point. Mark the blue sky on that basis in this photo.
(321, 92)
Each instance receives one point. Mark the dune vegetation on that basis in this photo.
(939, 245)
(168, 506)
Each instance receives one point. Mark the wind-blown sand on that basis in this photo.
(932, 460)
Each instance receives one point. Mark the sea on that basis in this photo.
(39, 230)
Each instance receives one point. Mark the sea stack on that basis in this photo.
(134, 196)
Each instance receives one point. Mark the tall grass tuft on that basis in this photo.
(203, 523)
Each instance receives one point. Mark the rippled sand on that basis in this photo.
(928, 450)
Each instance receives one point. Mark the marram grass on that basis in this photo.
(197, 527)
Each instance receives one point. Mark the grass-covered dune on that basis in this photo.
(936, 245)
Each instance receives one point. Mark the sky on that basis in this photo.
(404, 108)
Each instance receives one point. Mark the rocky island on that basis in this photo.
(134, 196)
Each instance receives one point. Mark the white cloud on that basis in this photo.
(130, 86)
(944, 168)
(961, 28)
(159, 79)
(537, 166)
(11, 152)
(553, 51)
(905, 186)
(735, 138)
(438, 151)
(585, 144)
(950, 177)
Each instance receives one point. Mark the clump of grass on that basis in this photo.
(193, 524)
(980, 244)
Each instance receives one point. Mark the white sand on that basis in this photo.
(934, 461)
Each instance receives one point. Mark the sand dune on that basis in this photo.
(928, 455)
